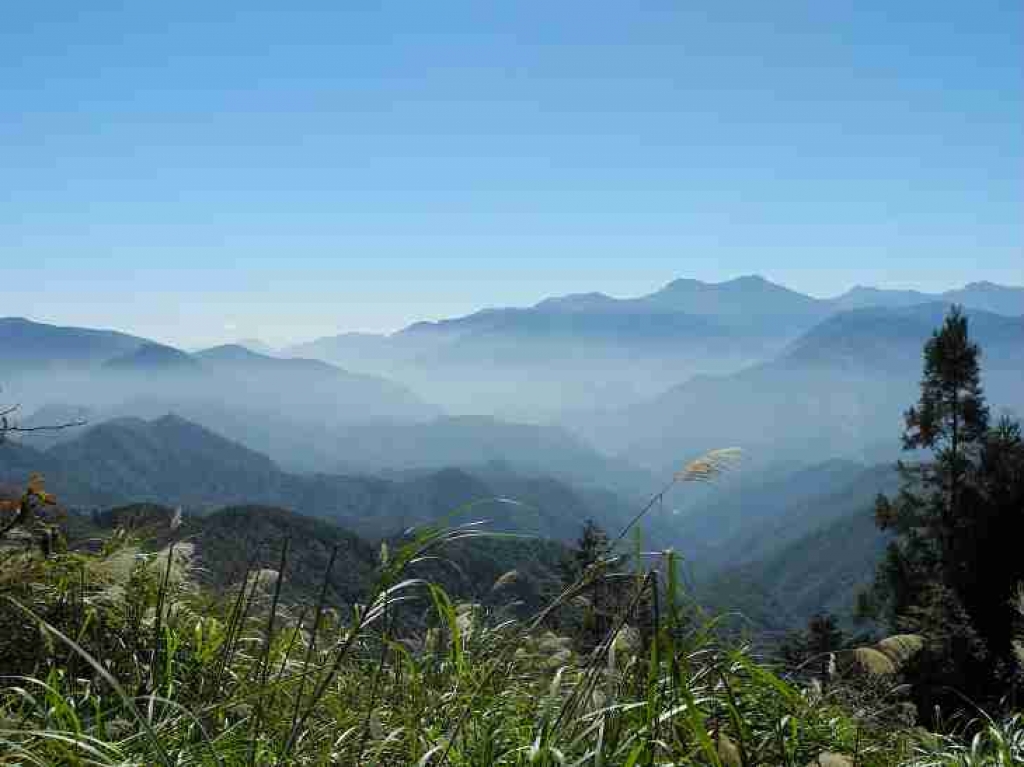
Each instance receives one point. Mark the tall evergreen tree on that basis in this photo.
(952, 569)
(990, 548)
(817, 642)
(935, 502)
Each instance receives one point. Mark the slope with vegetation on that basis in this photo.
(837, 391)
(178, 463)
(164, 673)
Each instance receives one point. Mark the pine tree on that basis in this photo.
(953, 568)
(814, 645)
(934, 504)
(990, 547)
(603, 593)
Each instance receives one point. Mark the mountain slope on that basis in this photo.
(474, 440)
(174, 462)
(838, 390)
(821, 571)
(220, 547)
(27, 345)
(288, 407)
(1007, 300)
(153, 358)
(18, 462)
(724, 525)
(167, 459)
(808, 554)
(578, 351)
(591, 351)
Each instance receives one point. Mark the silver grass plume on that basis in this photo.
(710, 465)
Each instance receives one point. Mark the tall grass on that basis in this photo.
(412, 676)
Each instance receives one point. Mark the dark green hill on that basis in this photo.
(168, 460)
(221, 545)
(811, 553)
(735, 510)
(174, 462)
(226, 541)
(821, 571)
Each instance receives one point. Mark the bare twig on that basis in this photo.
(7, 426)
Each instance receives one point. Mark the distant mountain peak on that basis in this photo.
(152, 355)
(1007, 300)
(578, 302)
(749, 295)
(751, 279)
(230, 352)
(255, 345)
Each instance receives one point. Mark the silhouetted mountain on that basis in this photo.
(289, 407)
(710, 525)
(258, 346)
(473, 440)
(986, 296)
(744, 299)
(865, 296)
(583, 350)
(153, 358)
(297, 390)
(27, 345)
(889, 341)
(807, 544)
(167, 460)
(175, 462)
(593, 351)
(838, 389)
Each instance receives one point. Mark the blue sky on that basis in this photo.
(202, 171)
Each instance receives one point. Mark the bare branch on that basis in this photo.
(49, 427)
(7, 427)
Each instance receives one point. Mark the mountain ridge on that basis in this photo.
(174, 462)
(858, 296)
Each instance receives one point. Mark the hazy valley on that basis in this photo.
(812, 390)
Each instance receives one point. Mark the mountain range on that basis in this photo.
(799, 534)
(37, 359)
(838, 390)
(650, 381)
(741, 302)
(592, 351)
(778, 544)
(175, 462)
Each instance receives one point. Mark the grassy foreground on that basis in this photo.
(118, 658)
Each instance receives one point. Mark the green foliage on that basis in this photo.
(144, 668)
(814, 645)
(140, 654)
(988, 743)
(952, 570)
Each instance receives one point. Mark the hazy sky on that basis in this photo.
(203, 171)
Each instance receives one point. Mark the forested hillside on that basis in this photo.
(178, 463)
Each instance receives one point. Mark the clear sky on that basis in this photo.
(200, 171)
